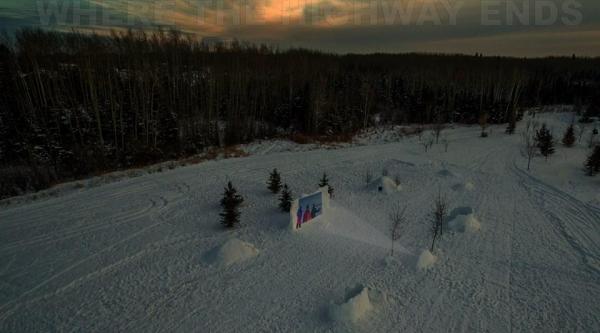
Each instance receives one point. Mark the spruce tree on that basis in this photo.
(274, 181)
(231, 201)
(285, 199)
(592, 165)
(325, 182)
(569, 137)
(545, 141)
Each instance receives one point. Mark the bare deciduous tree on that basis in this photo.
(446, 143)
(530, 145)
(580, 131)
(438, 127)
(368, 176)
(427, 142)
(440, 211)
(397, 216)
(420, 131)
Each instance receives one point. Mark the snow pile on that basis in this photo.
(426, 260)
(356, 306)
(469, 186)
(385, 185)
(465, 223)
(233, 251)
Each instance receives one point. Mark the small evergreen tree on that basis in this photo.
(592, 164)
(274, 183)
(545, 141)
(231, 201)
(569, 137)
(325, 182)
(285, 199)
(593, 138)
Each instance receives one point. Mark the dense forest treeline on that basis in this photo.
(77, 104)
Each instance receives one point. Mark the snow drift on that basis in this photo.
(426, 260)
(355, 306)
(233, 251)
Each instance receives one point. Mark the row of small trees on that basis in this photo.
(542, 140)
(231, 201)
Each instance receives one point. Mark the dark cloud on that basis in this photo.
(347, 25)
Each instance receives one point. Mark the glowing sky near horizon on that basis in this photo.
(493, 27)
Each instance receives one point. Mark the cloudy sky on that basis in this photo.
(493, 27)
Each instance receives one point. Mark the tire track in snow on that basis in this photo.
(12, 306)
(576, 221)
(68, 233)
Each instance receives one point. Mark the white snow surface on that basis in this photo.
(130, 256)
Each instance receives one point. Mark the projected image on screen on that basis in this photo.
(309, 208)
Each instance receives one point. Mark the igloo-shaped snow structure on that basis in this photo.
(385, 185)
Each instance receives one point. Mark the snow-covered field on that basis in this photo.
(148, 254)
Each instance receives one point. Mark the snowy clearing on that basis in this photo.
(148, 253)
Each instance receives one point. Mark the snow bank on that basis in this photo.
(233, 251)
(385, 185)
(356, 306)
(426, 260)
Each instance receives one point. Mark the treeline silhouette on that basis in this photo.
(77, 104)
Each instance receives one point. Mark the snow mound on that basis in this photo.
(233, 251)
(385, 185)
(426, 260)
(356, 306)
(463, 219)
